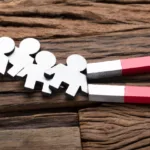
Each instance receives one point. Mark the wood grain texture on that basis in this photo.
(95, 48)
(95, 29)
(38, 120)
(111, 127)
(36, 131)
(37, 139)
(68, 18)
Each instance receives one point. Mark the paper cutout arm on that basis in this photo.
(52, 71)
(84, 86)
(23, 72)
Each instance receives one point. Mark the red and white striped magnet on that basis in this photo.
(119, 94)
(118, 67)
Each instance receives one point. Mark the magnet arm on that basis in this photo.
(50, 72)
(137, 94)
(119, 94)
(135, 65)
(123, 67)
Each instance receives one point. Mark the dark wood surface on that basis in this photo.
(99, 30)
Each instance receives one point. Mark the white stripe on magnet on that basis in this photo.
(104, 69)
(106, 93)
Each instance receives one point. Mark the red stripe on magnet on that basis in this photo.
(134, 94)
(135, 65)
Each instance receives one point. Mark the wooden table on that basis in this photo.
(97, 29)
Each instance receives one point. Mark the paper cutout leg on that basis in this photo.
(46, 89)
(71, 90)
(30, 83)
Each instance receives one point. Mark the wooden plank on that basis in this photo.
(94, 48)
(94, 29)
(97, 30)
(28, 101)
(54, 19)
(37, 120)
(37, 139)
(115, 127)
(36, 131)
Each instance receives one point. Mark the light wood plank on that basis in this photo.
(109, 127)
(67, 138)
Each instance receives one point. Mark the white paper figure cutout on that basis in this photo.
(21, 57)
(7, 45)
(70, 75)
(35, 72)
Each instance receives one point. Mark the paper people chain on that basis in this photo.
(27, 62)
(23, 65)
(21, 56)
(70, 75)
